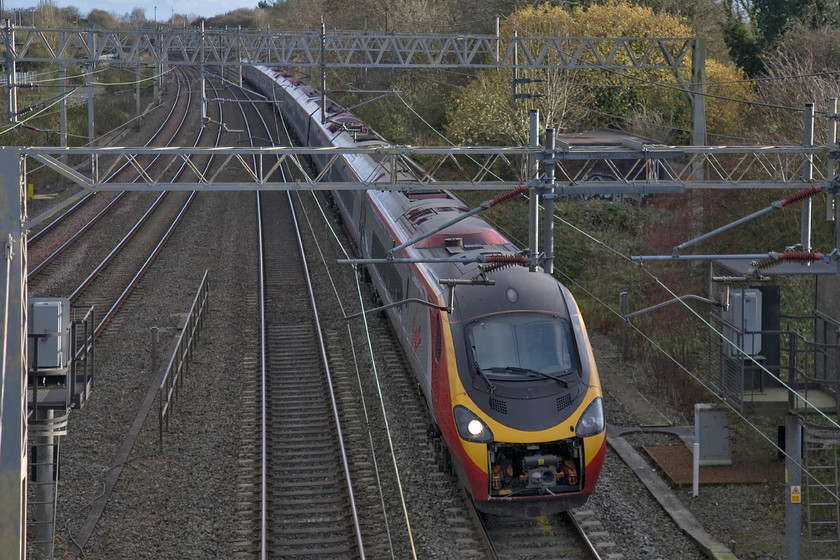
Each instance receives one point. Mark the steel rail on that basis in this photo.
(159, 247)
(493, 552)
(108, 258)
(98, 506)
(78, 234)
(481, 527)
(336, 416)
(263, 361)
(144, 268)
(263, 406)
(582, 532)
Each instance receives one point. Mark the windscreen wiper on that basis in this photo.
(559, 380)
(483, 375)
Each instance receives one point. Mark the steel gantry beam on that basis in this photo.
(683, 57)
(346, 49)
(637, 168)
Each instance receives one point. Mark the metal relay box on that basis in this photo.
(745, 314)
(49, 331)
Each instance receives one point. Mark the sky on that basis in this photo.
(205, 8)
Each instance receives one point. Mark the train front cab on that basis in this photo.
(511, 470)
(530, 474)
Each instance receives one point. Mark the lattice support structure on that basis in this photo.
(821, 487)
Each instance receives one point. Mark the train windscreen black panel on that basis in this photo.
(506, 367)
(522, 346)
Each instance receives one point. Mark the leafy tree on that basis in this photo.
(644, 101)
(705, 17)
(181, 20)
(69, 15)
(244, 17)
(297, 14)
(381, 15)
(801, 69)
(103, 19)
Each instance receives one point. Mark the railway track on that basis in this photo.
(295, 468)
(114, 273)
(110, 283)
(305, 505)
(575, 535)
(308, 503)
(310, 510)
(55, 236)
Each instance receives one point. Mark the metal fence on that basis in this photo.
(21, 78)
(178, 367)
(803, 365)
(725, 366)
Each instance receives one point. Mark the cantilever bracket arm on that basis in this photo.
(395, 304)
(778, 205)
(669, 302)
(450, 283)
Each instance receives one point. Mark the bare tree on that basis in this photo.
(137, 17)
(803, 69)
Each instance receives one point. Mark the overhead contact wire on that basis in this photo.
(385, 420)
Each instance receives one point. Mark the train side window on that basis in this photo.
(387, 272)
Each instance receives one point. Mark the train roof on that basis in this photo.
(601, 137)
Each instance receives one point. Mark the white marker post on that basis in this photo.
(695, 484)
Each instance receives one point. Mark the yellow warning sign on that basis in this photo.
(795, 494)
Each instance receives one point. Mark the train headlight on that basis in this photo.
(471, 427)
(592, 420)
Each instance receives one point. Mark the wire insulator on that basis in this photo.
(801, 195)
(508, 195)
(506, 259)
(764, 265)
(486, 269)
(499, 262)
(799, 256)
(787, 256)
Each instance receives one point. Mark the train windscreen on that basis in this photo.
(522, 345)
